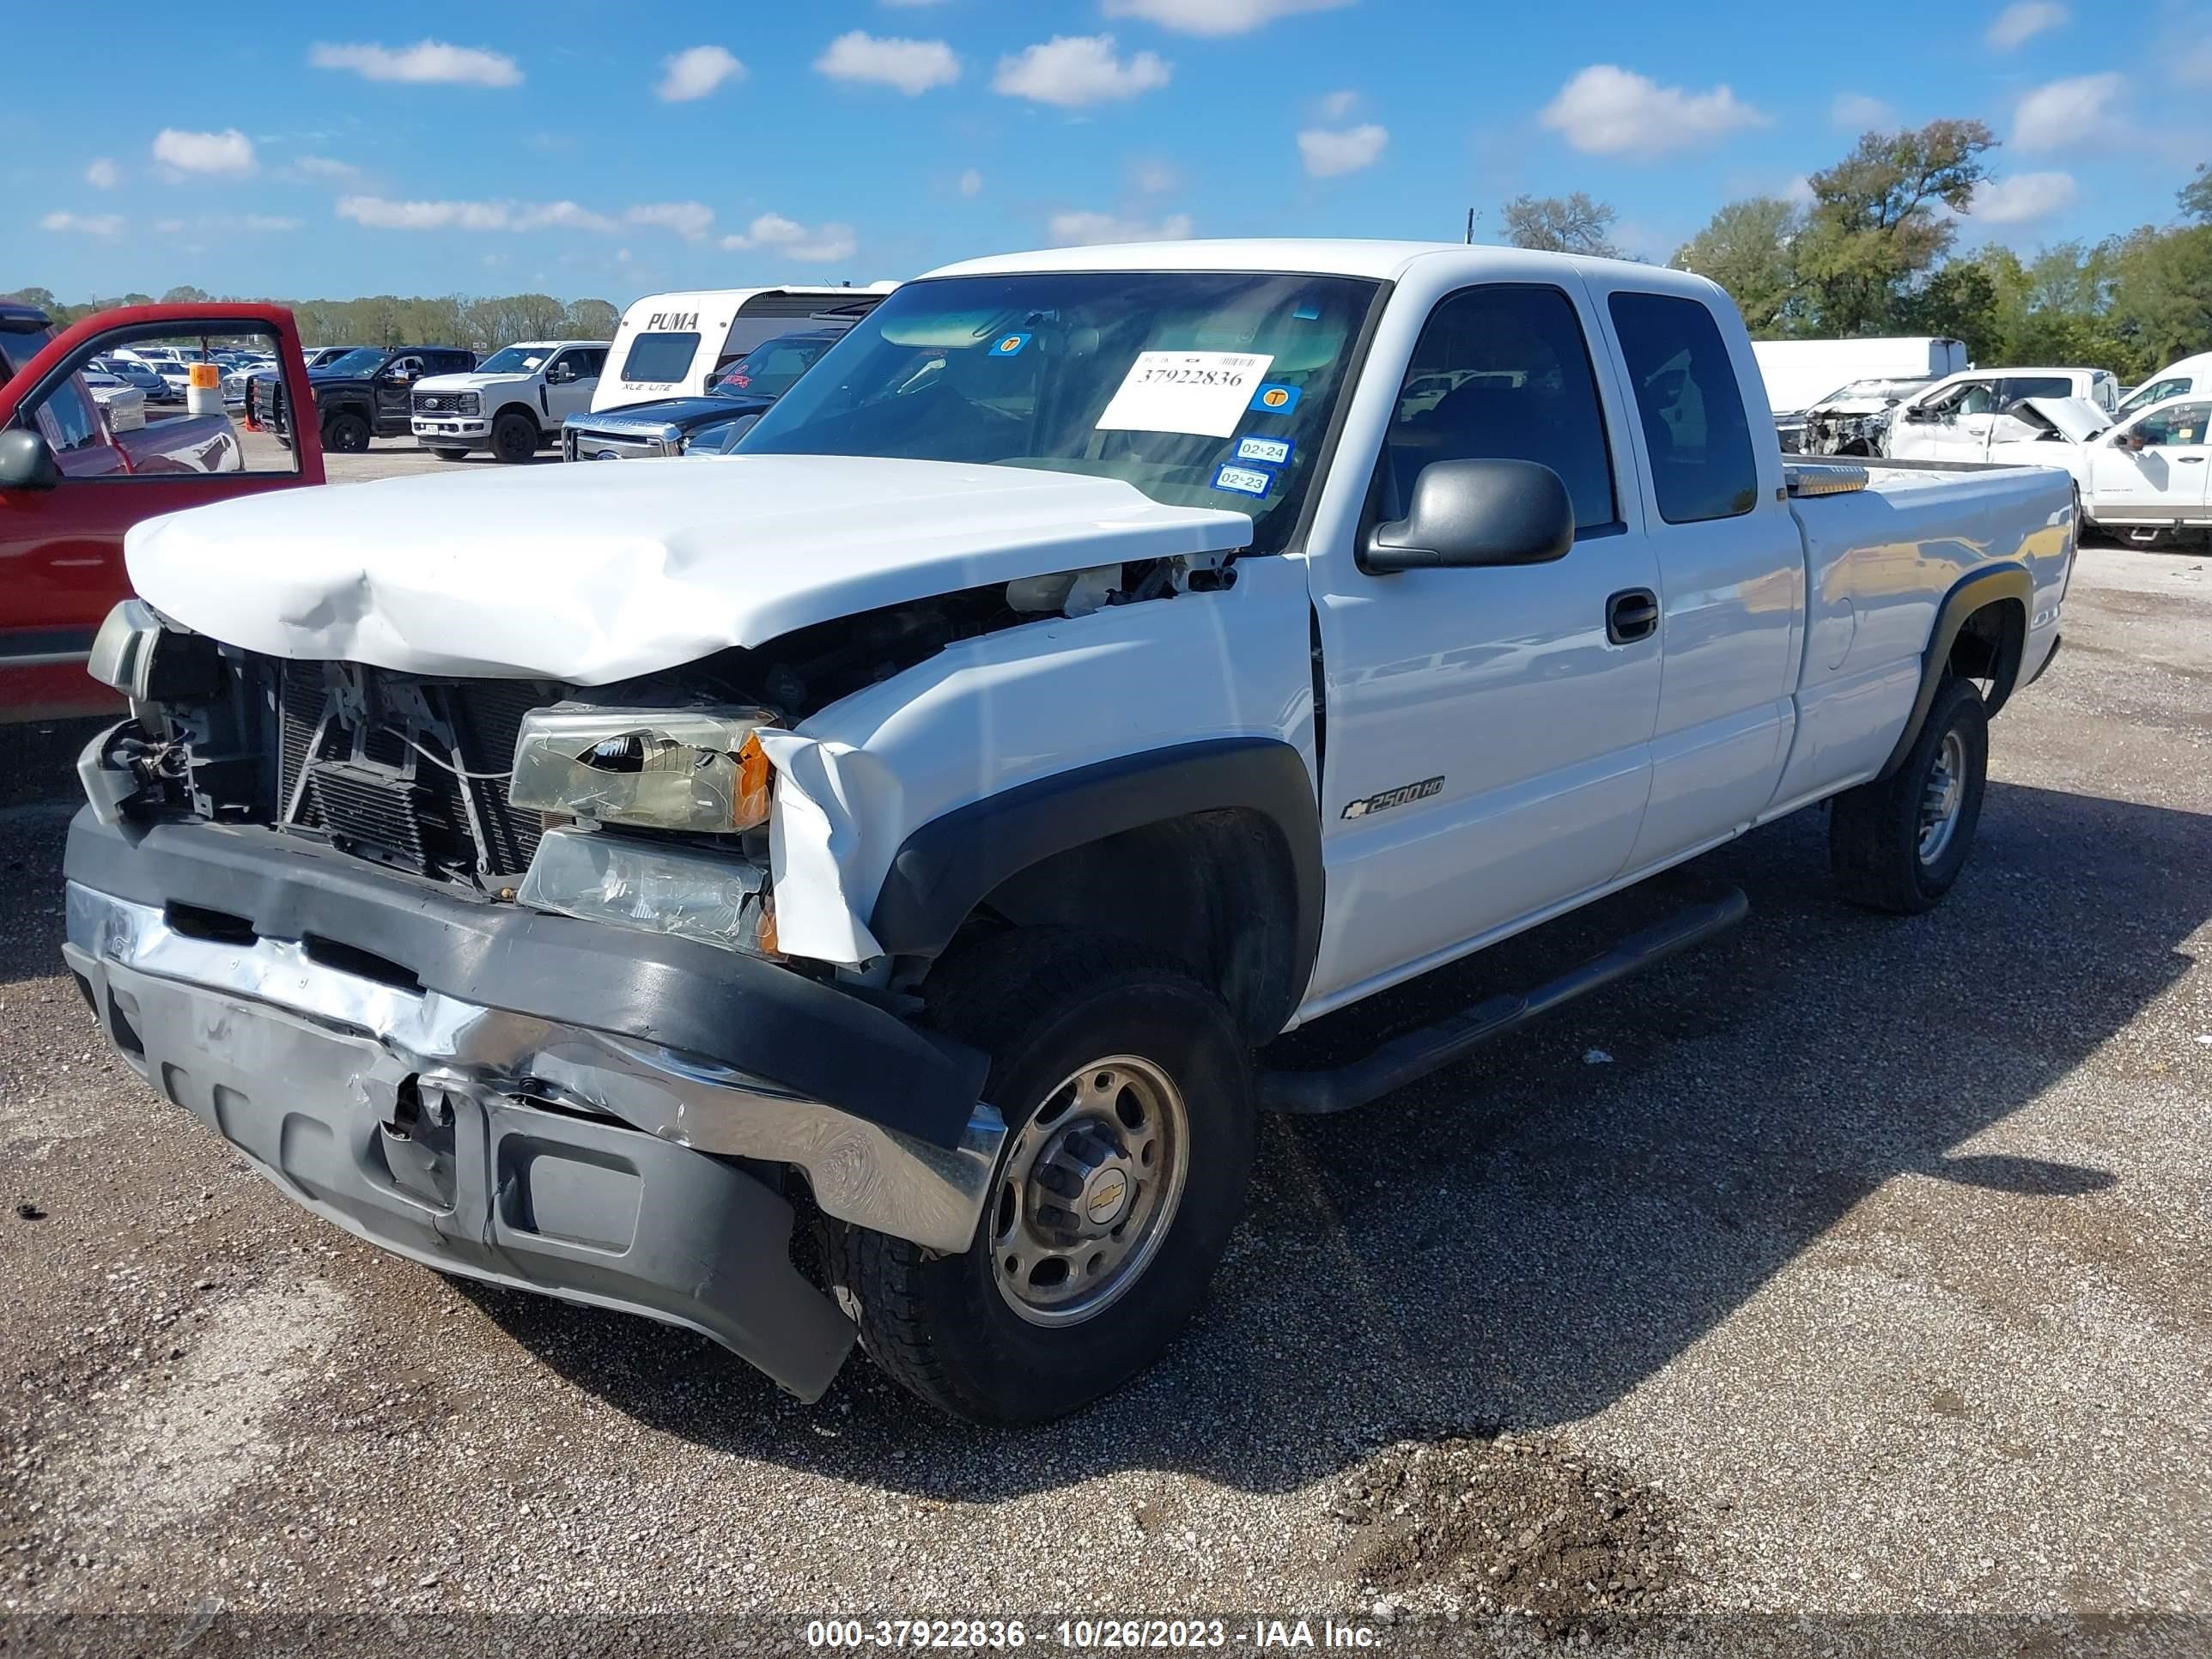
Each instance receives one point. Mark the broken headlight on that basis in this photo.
(696, 770)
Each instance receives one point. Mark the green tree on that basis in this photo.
(1746, 249)
(184, 295)
(1876, 227)
(2197, 195)
(2161, 304)
(1961, 302)
(589, 319)
(1561, 224)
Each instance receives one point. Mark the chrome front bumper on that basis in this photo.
(379, 1037)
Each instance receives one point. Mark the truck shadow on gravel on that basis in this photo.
(1520, 1240)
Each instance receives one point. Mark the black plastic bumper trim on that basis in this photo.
(776, 1024)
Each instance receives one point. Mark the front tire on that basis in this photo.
(346, 434)
(1129, 1104)
(514, 439)
(451, 454)
(1898, 843)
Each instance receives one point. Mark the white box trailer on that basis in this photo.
(670, 345)
(1800, 373)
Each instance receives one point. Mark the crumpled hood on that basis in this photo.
(2076, 418)
(595, 573)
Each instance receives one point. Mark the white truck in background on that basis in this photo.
(1103, 661)
(673, 345)
(1798, 373)
(1961, 416)
(511, 403)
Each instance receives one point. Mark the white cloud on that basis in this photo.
(381, 213)
(1855, 112)
(696, 71)
(2022, 197)
(913, 66)
(1071, 71)
(688, 220)
(1338, 105)
(103, 175)
(1798, 192)
(1607, 110)
(971, 183)
(84, 224)
(1330, 155)
(1081, 227)
(810, 244)
(1216, 16)
(1154, 178)
(2077, 114)
(227, 151)
(426, 61)
(322, 167)
(2018, 24)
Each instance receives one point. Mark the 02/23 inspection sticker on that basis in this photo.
(1201, 392)
(1269, 452)
(1244, 480)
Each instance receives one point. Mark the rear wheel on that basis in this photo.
(514, 438)
(1897, 843)
(345, 435)
(1128, 1105)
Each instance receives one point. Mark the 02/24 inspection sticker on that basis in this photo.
(1244, 480)
(1267, 452)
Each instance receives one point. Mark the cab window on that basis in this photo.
(1691, 406)
(1504, 373)
(2168, 429)
(143, 439)
(660, 359)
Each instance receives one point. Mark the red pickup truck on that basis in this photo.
(70, 487)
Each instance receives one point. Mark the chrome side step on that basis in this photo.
(1403, 1059)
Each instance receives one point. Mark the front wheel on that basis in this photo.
(1897, 843)
(346, 434)
(514, 438)
(1128, 1105)
(451, 454)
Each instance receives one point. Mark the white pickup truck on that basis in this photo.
(511, 403)
(1101, 662)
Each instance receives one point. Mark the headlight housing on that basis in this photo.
(700, 770)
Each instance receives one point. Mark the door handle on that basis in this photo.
(2191, 460)
(1631, 615)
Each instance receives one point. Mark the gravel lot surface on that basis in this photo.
(1848, 1265)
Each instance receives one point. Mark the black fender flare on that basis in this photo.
(947, 866)
(1976, 591)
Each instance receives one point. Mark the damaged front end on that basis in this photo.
(490, 976)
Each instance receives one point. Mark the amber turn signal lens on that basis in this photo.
(750, 801)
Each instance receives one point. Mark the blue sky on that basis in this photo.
(612, 150)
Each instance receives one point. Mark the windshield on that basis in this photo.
(1856, 389)
(1201, 388)
(360, 362)
(772, 369)
(515, 359)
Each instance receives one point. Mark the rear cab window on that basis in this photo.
(1690, 405)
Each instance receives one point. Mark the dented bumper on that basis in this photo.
(498, 1093)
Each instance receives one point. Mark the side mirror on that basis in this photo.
(1476, 513)
(27, 461)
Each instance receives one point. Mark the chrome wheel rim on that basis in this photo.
(1089, 1190)
(1940, 797)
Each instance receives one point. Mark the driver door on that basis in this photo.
(1489, 729)
(2154, 469)
(395, 386)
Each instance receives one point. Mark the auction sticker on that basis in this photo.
(1244, 480)
(1201, 392)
